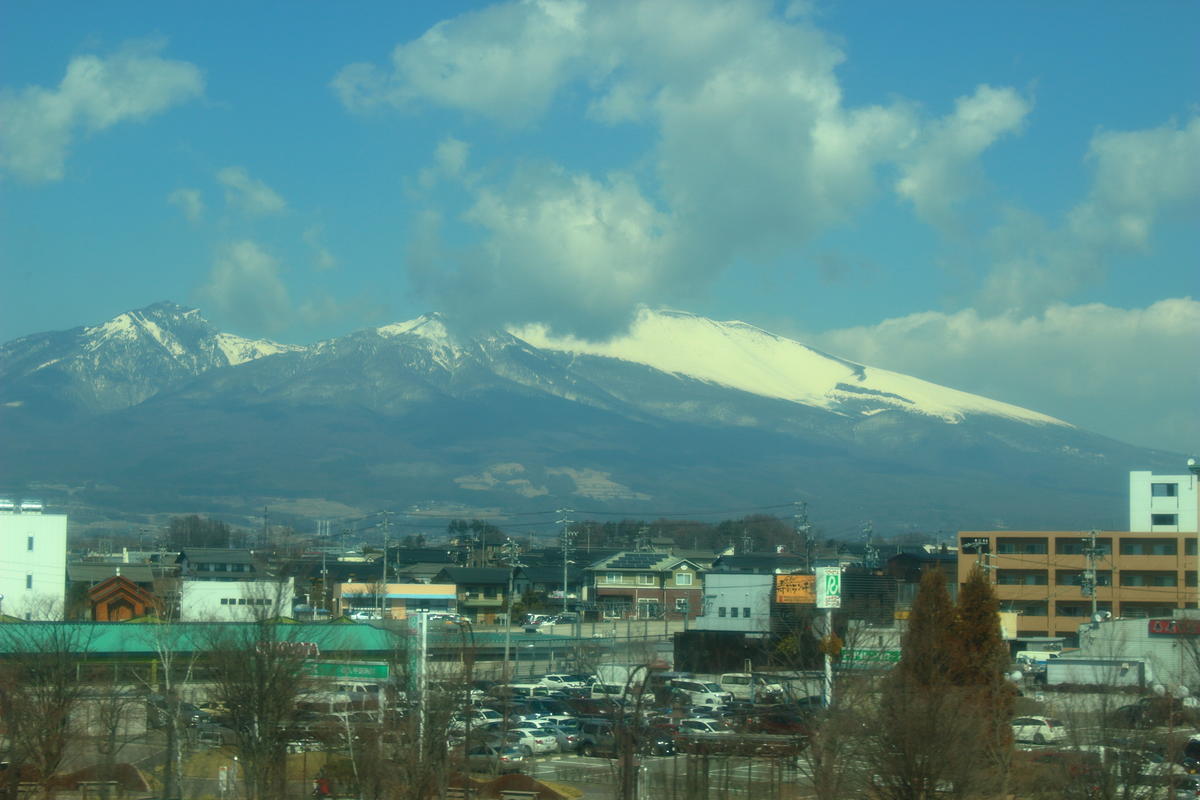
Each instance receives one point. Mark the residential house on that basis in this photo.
(481, 592)
(646, 585)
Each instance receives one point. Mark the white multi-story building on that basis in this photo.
(1166, 503)
(235, 601)
(737, 601)
(33, 561)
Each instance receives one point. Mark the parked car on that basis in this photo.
(561, 680)
(1040, 730)
(703, 726)
(495, 759)
(1153, 712)
(699, 693)
(596, 738)
(533, 742)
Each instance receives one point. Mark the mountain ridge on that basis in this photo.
(429, 412)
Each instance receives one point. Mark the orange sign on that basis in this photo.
(795, 589)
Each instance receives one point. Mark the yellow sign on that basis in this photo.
(795, 589)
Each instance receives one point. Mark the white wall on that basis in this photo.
(1143, 503)
(740, 590)
(33, 564)
(238, 601)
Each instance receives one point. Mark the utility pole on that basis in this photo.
(510, 554)
(804, 533)
(1088, 584)
(870, 551)
(567, 542)
(387, 527)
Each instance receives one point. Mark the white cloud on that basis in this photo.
(1140, 178)
(943, 169)
(1139, 175)
(554, 235)
(323, 258)
(250, 195)
(189, 201)
(96, 93)
(505, 62)
(756, 152)
(1091, 365)
(245, 286)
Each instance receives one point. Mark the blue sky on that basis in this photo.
(999, 197)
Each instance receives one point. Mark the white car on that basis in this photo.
(1039, 730)
(704, 726)
(563, 681)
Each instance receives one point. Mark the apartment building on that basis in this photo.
(1042, 575)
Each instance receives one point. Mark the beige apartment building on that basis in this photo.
(1042, 575)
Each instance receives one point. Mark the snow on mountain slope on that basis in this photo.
(743, 357)
(238, 350)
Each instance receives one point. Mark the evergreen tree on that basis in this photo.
(978, 665)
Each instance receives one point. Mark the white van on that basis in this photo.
(607, 691)
(744, 686)
(700, 693)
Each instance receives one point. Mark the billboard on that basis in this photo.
(795, 589)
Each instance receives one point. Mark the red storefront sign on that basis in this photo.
(1174, 627)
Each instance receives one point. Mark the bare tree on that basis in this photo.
(40, 695)
(258, 671)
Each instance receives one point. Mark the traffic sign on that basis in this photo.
(829, 587)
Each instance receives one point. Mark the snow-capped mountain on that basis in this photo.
(738, 356)
(121, 362)
(682, 413)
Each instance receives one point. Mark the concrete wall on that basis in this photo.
(1143, 503)
(33, 576)
(237, 601)
(740, 590)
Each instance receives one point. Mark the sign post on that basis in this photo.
(829, 597)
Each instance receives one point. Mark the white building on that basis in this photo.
(33, 568)
(737, 601)
(235, 601)
(1166, 503)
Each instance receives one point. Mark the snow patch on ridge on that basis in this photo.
(741, 356)
(238, 350)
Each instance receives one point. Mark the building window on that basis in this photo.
(1149, 547)
(1028, 547)
(746, 613)
(28, 581)
(29, 543)
(646, 580)
(1164, 490)
(1028, 608)
(1076, 546)
(612, 577)
(1164, 519)
(1149, 578)
(721, 611)
(1073, 610)
(1074, 577)
(683, 579)
(1189, 578)
(1021, 577)
(681, 604)
(733, 611)
(224, 601)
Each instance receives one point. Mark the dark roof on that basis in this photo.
(215, 555)
(550, 574)
(765, 562)
(462, 575)
(929, 558)
(423, 555)
(95, 573)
